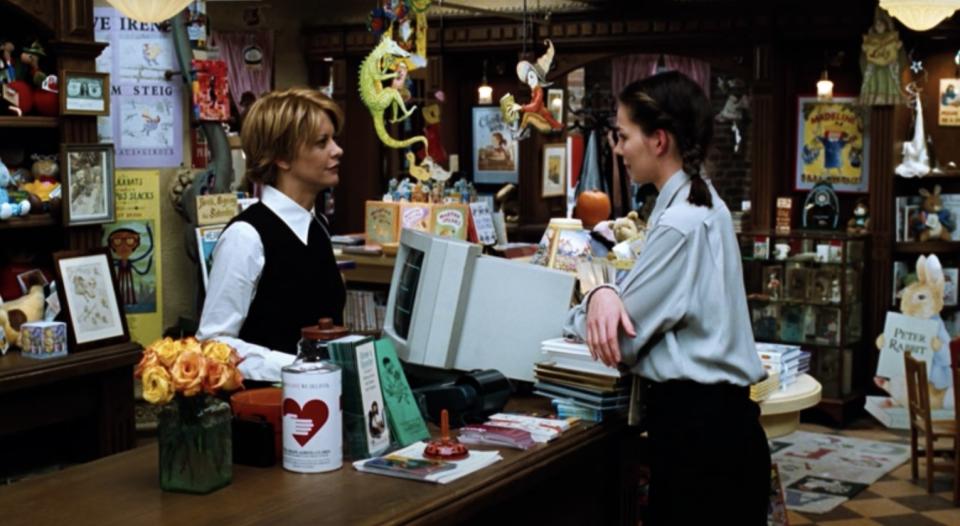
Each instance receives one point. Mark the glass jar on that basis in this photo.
(313, 340)
(195, 443)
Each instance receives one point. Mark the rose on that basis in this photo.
(235, 381)
(219, 352)
(167, 351)
(157, 386)
(190, 344)
(218, 374)
(149, 359)
(188, 372)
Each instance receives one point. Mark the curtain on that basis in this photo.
(249, 57)
(630, 68)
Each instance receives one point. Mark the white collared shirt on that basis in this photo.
(685, 296)
(238, 261)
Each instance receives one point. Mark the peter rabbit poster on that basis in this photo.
(832, 144)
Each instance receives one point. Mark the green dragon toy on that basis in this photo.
(378, 99)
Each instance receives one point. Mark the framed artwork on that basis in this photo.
(554, 168)
(89, 297)
(948, 113)
(207, 237)
(84, 93)
(87, 171)
(495, 152)
(832, 144)
(555, 103)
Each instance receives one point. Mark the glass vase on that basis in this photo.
(194, 439)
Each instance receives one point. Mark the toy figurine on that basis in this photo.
(882, 56)
(420, 192)
(392, 194)
(773, 286)
(535, 113)
(404, 190)
(8, 70)
(30, 64)
(860, 222)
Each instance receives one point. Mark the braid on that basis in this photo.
(699, 192)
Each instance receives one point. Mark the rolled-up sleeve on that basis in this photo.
(655, 292)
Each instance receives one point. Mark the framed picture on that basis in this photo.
(87, 171)
(84, 93)
(554, 168)
(207, 237)
(555, 103)
(949, 107)
(89, 298)
(833, 144)
(495, 152)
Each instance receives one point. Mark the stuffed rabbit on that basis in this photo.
(937, 222)
(924, 299)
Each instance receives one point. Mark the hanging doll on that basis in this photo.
(916, 162)
(30, 64)
(535, 113)
(881, 60)
(8, 70)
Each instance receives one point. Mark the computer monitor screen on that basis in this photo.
(452, 307)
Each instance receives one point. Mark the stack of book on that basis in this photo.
(804, 363)
(364, 312)
(782, 359)
(580, 386)
(764, 388)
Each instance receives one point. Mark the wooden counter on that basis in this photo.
(577, 479)
(369, 269)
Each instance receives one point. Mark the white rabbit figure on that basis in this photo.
(924, 299)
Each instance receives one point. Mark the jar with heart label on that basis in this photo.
(312, 417)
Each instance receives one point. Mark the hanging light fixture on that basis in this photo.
(920, 15)
(150, 11)
(824, 87)
(484, 92)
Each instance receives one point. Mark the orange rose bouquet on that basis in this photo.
(193, 434)
(187, 367)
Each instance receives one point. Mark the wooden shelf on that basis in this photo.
(799, 233)
(29, 221)
(29, 122)
(927, 247)
(945, 175)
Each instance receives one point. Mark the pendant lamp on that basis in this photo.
(920, 15)
(150, 11)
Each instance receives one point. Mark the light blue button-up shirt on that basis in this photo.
(685, 296)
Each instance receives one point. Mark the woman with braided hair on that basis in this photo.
(679, 318)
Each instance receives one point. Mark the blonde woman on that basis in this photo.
(274, 270)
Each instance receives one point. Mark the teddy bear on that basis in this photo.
(8, 210)
(629, 233)
(933, 222)
(44, 184)
(860, 222)
(13, 314)
(924, 299)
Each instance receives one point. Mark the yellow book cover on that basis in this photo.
(451, 220)
(382, 222)
(134, 243)
(416, 216)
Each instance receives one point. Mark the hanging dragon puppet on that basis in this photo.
(374, 70)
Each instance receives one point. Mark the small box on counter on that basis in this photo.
(43, 339)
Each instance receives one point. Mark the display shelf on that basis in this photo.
(29, 221)
(944, 176)
(799, 302)
(807, 234)
(927, 247)
(29, 122)
(809, 262)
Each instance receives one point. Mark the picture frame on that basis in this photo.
(207, 237)
(555, 103)
(87, 172)
(495, 152)
(554, 170)
(833, 144)
(84, 93)
(90, 298)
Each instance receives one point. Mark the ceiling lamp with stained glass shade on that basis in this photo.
(150, 11)
(920, 15)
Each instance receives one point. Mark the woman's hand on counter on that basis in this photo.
(605, 315)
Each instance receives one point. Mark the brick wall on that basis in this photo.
(729, 171)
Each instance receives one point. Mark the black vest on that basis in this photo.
(299, 284)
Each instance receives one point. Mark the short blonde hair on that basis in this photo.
(279, 124)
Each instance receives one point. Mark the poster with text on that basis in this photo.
(832, 144)
(134, 243)
(146, 116)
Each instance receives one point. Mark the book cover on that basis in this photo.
(482, 223)
(382, 222)
(950, 275)
(416, 216)
(211, 98)
(450, 220)
(893, 415)
(761, 247)
(403, 415)
(375, 419)
(343, 353)
(951, 203)
(901, 334)
(407, 467)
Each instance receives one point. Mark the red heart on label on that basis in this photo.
(315, 410)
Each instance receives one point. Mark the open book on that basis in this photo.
(410, 463)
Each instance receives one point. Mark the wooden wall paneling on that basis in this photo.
(883, 133)
(764, 122)
(361, 168)
(43, 12)
(76, 20)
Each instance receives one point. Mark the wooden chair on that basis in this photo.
(918, 396)
(955, 369)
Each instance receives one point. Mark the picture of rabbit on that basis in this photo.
(924, 299)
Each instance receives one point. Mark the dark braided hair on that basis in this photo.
(674, 103)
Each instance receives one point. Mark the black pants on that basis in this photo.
(710, 462)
